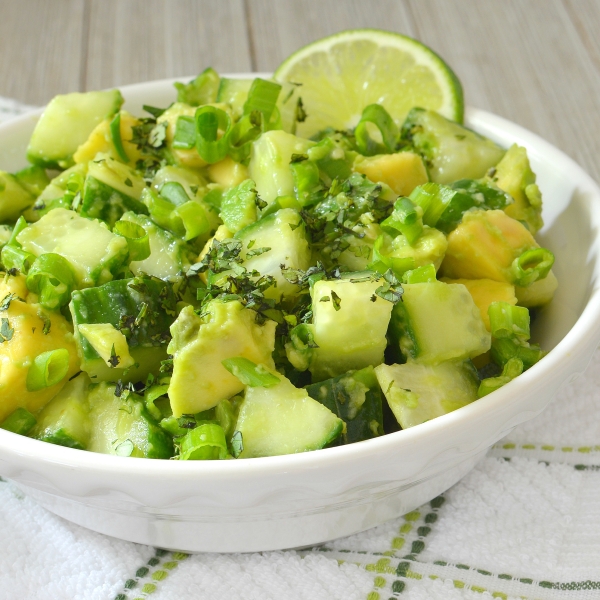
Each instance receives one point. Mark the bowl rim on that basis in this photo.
(583, 334)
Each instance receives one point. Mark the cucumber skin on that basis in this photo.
(101, 201)
(337, 397)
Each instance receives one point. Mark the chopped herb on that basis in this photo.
(300, 114)
(237, 444)
(256, 252)
(128, 182)
(157, 136)
(155, 112)
(125, 448)
(7, 300)
(6, 331)
(325, 299)
(75, 376)
(336, 300)
(114, 360)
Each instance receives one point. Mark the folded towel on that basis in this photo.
(525, 523)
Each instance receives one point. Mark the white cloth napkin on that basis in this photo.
(525, 523)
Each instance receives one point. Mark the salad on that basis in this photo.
(213, 280)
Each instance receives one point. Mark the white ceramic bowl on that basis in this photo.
(305, 499)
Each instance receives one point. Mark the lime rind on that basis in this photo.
(343, 73)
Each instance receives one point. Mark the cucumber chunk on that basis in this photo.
(417, 393)
(95, 253)
(270, 163)
(283, 235)
(124, 427)
(66, 123)
(436, 322)
(349, 326)
(141, 308)
(14, 198)
(65, 419)
(284, 419)
(168, 254)
(450, 150)
(356, 398)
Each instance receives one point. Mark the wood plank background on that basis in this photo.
(536, 62)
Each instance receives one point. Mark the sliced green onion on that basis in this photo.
(201, 90)
(174, 193)
(16, 258)
(508, 321)
(513, 368)
(20, 421)
(137, 239)
(160, 208)
(300, 348)
(185, 133)
(47, 369)
(115, 134)
(503, 349)
(193, 218)
(19, 226)
(151, 395)
(209, 121)
(424, 274)
(307, 181)
(250, 373)
(376, 115)
(279, 203)
(433, 198)
(532, 266)
(243, 134)
(51, 276)
(406, 218)
(205, 442)
(262, 96)
(383, 261)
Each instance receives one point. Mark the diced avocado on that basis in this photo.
(101, 140)
(117, 175)
(66, 123)
(486, 291)
(485, 245)
(430, 247)
(349, 325)
(276, 240)
(270, 163)
(168, 254)
(108, 342)
(284, 419)
(200, 343)
(14, 198)
(436, 322)
(417, 393)
(238, 206)
(123, 426)
(65, 419)
(227, 172)
(142, 309)
(34, 179)
(29, 331)
(355, 397)
(450, 150)
(95, 253)
(402, 171)
(513, 174)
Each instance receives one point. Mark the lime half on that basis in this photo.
(343, 73)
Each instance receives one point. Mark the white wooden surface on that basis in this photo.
(536, 62)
